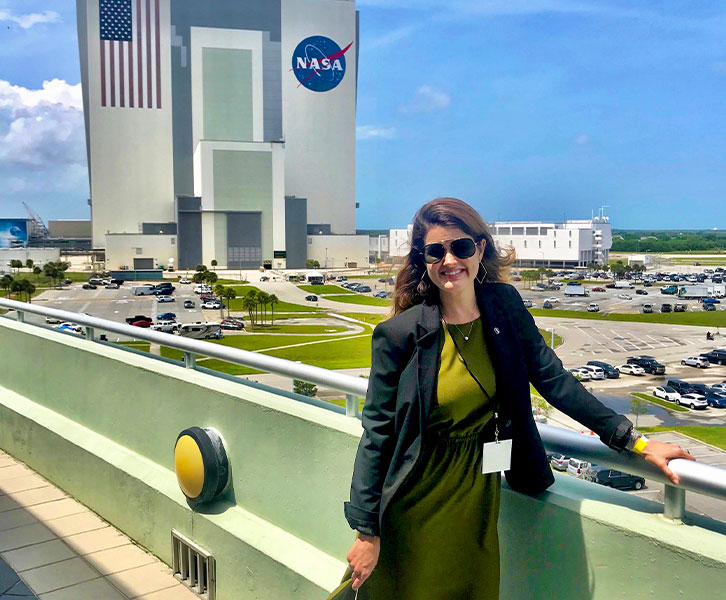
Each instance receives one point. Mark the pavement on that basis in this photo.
(54, 548)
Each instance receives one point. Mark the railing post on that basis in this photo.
(89, 333)
(20, 316)
(351, 405)
(190, 360)
(674, 503)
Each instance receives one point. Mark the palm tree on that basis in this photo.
(263, 298)
(229, 294)
(28, 288)
(213, 263)
(5, 282)
(29, 264)
(249, 303)
(273, 300)
(37, 271)
(210, 277)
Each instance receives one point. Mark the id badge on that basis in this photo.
(497, 456)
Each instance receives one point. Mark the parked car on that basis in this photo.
(631, 369)
(666, 308)
(211, 305)
(719, 387)
(552, 300)
(649, 364)
(167, 316)
(577, 467)
(382, 294)
(70, 328)
(311, 298)
(547, 304)
(680, 307)
(617, 479)
(166, 326)
(696, 361)
(610, 371)
(593, 307)
(132, 320)
(184, 281)
(647, 308)
(112, 286)
(625, 296)
(692, 400)
(164, 298)
(641, 292)
(708, 306)
(188, 303)
(717, 356)
(341, 278)
(142, 323)
(682, 387)
(714, 399)
(596, 373)
(89, 286)
(560, 462)
(711, 301)
(581, 374)
(665, 392)
(231, 323)
(527, 303)
(598, 289)
(363, 289)
(263, 278)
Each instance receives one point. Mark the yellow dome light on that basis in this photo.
(200, 462)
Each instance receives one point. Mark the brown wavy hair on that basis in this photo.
(411, 286)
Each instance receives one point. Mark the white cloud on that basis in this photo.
(370, 132)
(390, 37)
(581, 139)
(30, 19)
(41, 131)
(427, 99)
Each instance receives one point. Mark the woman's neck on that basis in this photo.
(458, 309)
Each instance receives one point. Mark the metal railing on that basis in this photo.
(694, 476)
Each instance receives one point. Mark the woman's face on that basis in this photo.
(452, 274)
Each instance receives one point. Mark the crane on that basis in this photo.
(38, 230)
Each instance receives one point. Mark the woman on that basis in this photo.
(451, 371)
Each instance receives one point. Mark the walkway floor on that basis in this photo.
(54, 548)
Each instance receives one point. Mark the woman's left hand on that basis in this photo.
(660, 454)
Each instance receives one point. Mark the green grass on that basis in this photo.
(136, 345)
(706, 319)
(298, 329)
(548, 338)
(716, 436)
(280, 307)
(664, 403)
(339, 353)
(371, 319)
(360, 299)
(325, 289)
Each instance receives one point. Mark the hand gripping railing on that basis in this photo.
(354, 387)
(694, 476)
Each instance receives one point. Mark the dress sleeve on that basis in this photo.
(560, 388)
(378, 440)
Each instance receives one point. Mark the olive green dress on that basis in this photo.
(439, 535)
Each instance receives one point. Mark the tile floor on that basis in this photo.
(54, 548)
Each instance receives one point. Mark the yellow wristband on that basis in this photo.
(640, 445)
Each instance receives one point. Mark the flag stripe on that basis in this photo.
(103, 73)
(130, 47)
(121, 78)
(139, 70)
(148, 51)
(157, 41)
(112, 72)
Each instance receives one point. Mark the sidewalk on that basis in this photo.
(61, 550)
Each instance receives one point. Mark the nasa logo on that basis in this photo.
(319, 63)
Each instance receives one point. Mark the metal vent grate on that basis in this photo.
(193, 566)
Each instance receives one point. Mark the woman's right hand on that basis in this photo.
(363, 557)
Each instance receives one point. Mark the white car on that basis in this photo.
(581, 374)
(594, 307)
(211, 305)
(696, 361)
(71, 327)
(693, 401)
(666, 393)
(552, 300)
(719, 387)
(527, 303)
(53, 321)
(163, 299)
(625, 296)
(183, 280)
(595, 372)
(631, 369)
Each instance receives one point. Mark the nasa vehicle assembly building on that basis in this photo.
(221, 130)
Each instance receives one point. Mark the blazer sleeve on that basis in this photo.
(378, 439)
(560, 388)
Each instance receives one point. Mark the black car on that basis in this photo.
(649, 364)
(619, 480)
(311, 298)
(610, 371)
(679, 307)
(89, 286)
(641, 292)
(708, 306)
(666, 308)
(717, 356)
(188, 304)
(680, 386)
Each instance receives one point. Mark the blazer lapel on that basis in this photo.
(428, 358)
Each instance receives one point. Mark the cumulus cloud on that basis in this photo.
(41, 131)
(370, 132)
(30, 19)
(427, 99)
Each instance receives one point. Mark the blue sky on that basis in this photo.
(528, 109)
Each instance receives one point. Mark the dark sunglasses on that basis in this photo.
(462, 248)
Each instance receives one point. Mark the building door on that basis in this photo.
(244, 240)
(143, 263)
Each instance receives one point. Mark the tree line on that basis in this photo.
(23, 287)
(668, 241)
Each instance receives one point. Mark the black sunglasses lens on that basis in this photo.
(463, 248)
(433, 253)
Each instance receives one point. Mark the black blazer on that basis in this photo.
(402, 392)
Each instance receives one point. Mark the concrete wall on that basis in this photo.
(69, 228)
(101, 422)
(122, 249)
(333, 251)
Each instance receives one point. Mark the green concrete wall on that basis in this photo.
(227, 90)
(100, 422)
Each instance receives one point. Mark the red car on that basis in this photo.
(598, 289)
(146, 324)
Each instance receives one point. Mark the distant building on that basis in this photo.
(568, 244)
(399, 241)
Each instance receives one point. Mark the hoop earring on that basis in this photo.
(484, 276)
(423, 287)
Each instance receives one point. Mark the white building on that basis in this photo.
(221, 126)
(399, 241)
(568, 244)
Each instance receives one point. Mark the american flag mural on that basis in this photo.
(130, 53)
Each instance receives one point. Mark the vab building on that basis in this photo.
(221, 130)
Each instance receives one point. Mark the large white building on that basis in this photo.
(219, 129)
(567, 244)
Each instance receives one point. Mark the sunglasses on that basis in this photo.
(462, 248)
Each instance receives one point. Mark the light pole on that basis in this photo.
(552, 341)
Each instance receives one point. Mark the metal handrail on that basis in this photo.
(694, 476)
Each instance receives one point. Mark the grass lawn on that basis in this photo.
(136, 345)
(664, 403)
(716, 436)
(369, 318)
(339, 353)
(325, 289)
(360, 299)
(706, 319)
(280, 307)
(548, 338)
(298, 329)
